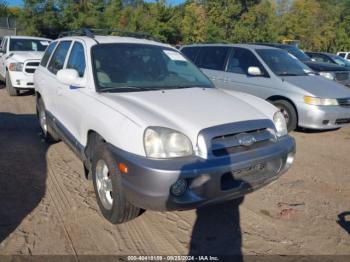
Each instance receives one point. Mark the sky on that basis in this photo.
(20, 2)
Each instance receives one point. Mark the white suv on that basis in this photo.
(19, 57)
(152, 130)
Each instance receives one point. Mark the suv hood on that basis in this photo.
(318, 86)
(22, 56)
(186, 110)
(324, 67)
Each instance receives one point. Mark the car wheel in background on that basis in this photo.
(9, 87)
(108, 188)
(289, 113)
(48, 134)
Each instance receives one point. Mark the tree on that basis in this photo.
(256, 25)
(194, 24)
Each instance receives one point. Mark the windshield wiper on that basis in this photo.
(288, 74)
(126, 89)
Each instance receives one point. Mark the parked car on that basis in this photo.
(305, 99)
(330, 71)
(151, 129)
(328, 58)
(19, 57)
(345, 55)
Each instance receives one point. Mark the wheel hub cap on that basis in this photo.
(104, 184)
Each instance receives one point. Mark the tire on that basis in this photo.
(108, 188)
(47, 132)
(287, 109)
(9, 87)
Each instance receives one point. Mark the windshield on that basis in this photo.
(22, 44)
(341, 61)
(282, 63)
(297, 53)
(136, 67)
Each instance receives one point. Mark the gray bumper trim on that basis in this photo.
(147, 184)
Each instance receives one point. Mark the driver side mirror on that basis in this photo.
(254, 71)
(70, 77)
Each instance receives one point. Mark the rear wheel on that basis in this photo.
(108, 188)
(48, 134)
(289, 113)
(12, 91)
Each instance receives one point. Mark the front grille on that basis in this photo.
(344, 102)
(342, 76)
(230, 144)
(33, 64)
(30, 67)
(342, 121)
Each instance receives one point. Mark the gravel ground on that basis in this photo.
(48, 207)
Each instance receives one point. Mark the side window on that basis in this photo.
(348, 57)
(191, 52)
(59, 56)
(241, 59)
(212, 57)
(77, 59)
(342, 55)
(48, 53)
(322, 58)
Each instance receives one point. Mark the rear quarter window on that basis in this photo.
(191, 52)
(47, 54)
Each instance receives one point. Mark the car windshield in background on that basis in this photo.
(283, 63)
(341, 61)
(22, 44)
(297, 53)
(138, 67)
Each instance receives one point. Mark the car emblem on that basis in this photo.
(246, 139)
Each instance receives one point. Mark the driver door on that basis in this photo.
(237, 77)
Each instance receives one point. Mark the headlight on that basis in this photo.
(280, 124)
(161, 142)
(315, 101)
(16, 66)
(328, 75)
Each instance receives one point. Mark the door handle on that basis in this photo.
(213, 78)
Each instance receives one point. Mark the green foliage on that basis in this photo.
(317, 24)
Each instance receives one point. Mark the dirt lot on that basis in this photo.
(47, 206)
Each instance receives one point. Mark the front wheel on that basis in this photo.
(289, 113)
(12, 91)
(108, 188)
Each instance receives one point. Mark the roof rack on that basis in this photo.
(91, 32)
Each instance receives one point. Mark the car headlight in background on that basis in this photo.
(161, 142)
(280, 124)
(16, 67)
(315, 101)
(327, 75)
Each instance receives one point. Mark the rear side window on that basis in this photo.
(241, 59)
(77, 59)
(342, 55)
(48, 53)
(191, 52)
(212, 57)
(59, 56)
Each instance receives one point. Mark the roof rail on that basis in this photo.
(91, 32)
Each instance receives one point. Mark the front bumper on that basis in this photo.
(21, 80)
(147, 183)
(323, 117)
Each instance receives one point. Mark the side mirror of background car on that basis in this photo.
(254, 71)
(69, 77)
